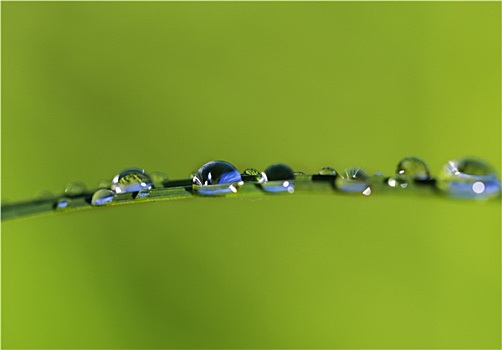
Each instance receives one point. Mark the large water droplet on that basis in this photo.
(131, 180)
(469, 178)
(217, 178)
(253, 175)
(74, 188)
(279, 178)
(102, 197)
(353, 180)
(414, 168)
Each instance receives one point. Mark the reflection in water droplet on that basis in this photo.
(102, 197)
(353, 180)
(63, 203)
(278, 178)
(158, 179)
(253, 175)
(414, 168)
(217, 178)
(327, 170)
(74, 188)
(131, 180)
(469, 178)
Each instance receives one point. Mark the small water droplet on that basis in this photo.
(414, 168)
(102, 197)
(278, 178)
(469, 178)
(106, 184)
(253, 175)
(131, 180)
(158, 179)
(74, 188)
(63, 203)
(217, 178)
(353, 180)
(142, 194)
(327, 170)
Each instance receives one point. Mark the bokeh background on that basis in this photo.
(91, 88)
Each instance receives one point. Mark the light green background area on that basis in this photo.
(91, 88)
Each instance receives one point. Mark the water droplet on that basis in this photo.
(131, 180)
(106, 184)
(102, 197)
(217, 178)
(158, 179)
(142, 194)
(63, 203)
(253, 175)
(353, 180)
(299, 173)
(74, 188)
(414, 168)
(278, 178)
(469, 178)
(327, 170)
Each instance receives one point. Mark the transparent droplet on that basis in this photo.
(278, 178)
(414, 168)
(74, 188)
(106, 184)
(327, 170)
(469, 178)
(63, 203)
(102, 197)
(253, 175)
(217, 178)
(353, 180)
(131, 180)
(142, 194)
(299, 173)
(158, 179)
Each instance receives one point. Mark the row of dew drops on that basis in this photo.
(467, 178)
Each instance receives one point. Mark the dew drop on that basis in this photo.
(327, 170)
(74, 188)
(102, 197)
(131, 180)
(469, 178)
(63, 203)
(216, 178)
(413, 167)
(278, 178)
(353, 180)
(142, 194)
(106, 184)
(253, 175)
(158, 179)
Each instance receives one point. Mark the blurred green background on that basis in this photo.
(91, 88)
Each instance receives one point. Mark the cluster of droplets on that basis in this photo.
(464, 178)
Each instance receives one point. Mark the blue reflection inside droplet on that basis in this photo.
(62, 204)
(472, 190)
(278, 186)
(358, 187)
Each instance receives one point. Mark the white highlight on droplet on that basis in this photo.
(478, 187)
(392, 182)
(367, 191)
